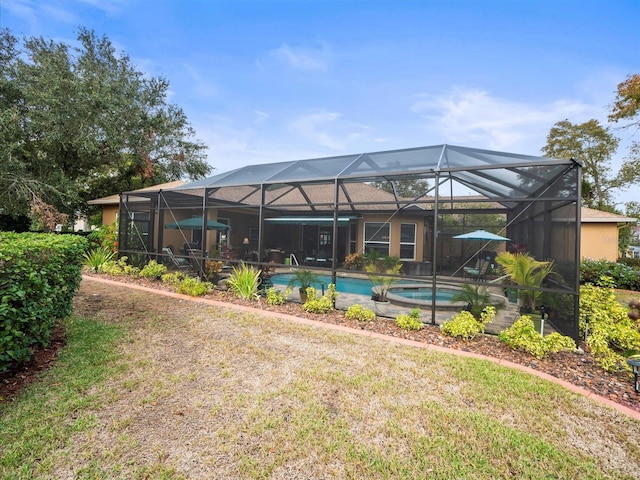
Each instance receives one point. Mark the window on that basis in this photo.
(408, 241)
(353, 237)
(376, 237)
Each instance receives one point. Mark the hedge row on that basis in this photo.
(623, 276)
(39, 275)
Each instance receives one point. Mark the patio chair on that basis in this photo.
(180, 263)
(479, 273)
(472, 271)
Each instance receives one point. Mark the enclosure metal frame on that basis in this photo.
(538, 194)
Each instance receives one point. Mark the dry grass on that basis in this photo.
(212, 393)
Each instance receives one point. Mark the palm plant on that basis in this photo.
(303, 279)
(526, 271)
(477, 298)
(383, 271)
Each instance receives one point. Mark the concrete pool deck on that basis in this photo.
(505, 316)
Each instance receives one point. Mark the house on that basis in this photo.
(598, 229)
(599, 234)
(111, 204)
(321, 210)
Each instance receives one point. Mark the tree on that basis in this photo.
(627, 104)
(594, 145)
(410, 188)
(82, 122)
(627, 107)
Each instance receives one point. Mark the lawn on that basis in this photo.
(154, 387)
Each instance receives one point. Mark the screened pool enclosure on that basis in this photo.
(408, 203)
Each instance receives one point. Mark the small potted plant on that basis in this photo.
(303, 279)
(525, 271)
(382, 272)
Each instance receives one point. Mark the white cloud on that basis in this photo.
(317, 127)
(307, 59)
(473, 117)
(24, 9)
(110, 7)
(260, 116)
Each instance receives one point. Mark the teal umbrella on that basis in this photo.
(481, 235)
(195, 223)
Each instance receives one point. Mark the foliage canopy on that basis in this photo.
(81, 122)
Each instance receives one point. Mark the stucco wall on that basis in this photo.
(599, 241)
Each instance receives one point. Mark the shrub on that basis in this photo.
(612, 335)
(173, 278)
(354, 261)
(97, 257)
(277, 297)
(212, 270)
(40, 275)
(119, 267)
(522, 335)
(153, 270)
(624, 276)
(466, 326)
(244, 281)
(411, 321)
(193, 286)
(105, 237)
(323, 304)
(360, 313)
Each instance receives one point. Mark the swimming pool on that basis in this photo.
(414, 291)
(360, 286)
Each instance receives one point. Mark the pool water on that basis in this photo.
(362, 286)
(424, 294)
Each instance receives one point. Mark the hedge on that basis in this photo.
(623, 276)
(39, 275)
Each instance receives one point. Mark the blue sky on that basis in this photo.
(265, 81)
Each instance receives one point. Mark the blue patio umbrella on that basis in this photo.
(482, 235)
(195, 223)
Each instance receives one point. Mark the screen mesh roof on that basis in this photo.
(490, 173)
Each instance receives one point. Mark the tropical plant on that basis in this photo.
(476, 297)
(212, 270)
(153, 270)
(526, 271)
(359, 313)
(523, 335)
(173, 278)
(410, 321)
(466, 326)
(323, 304)
(354, 261)
(244, 281)
(383, 272)
(193, 286)
(611, 334)
(119, 267)
(277, 297)
(303, 279)
(96, 258)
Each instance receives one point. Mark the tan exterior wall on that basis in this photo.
(109, 214)
(599, 241)
(395, 233)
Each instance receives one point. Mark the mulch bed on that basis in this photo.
(577, 368)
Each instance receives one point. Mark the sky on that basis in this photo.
(264, 81)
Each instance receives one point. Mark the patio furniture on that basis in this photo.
(479, 273)
(180, 263)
